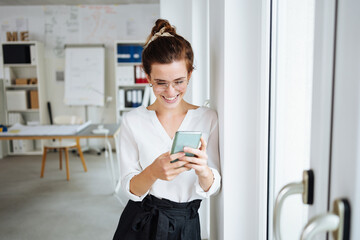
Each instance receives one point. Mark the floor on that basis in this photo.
(53, 208)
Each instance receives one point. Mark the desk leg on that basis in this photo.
(67, 162)
(60, 158)
(43, 163)
(81, 154)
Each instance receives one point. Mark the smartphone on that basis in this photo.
(185, 139)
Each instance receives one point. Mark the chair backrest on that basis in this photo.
(64, 120)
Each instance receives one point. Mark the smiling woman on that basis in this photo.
(165, 195)
(169, 82)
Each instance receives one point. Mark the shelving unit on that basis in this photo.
(24, 103)
(129, 79)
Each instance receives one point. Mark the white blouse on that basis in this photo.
(143, 139)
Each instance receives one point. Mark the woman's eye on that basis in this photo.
(179, 82)
(161, 83)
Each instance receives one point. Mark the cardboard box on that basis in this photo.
(16, 100)
(33, 81)
(34, 99)
(21, 81)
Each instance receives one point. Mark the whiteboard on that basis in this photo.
(84, 75)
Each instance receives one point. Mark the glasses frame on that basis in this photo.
(165, 84)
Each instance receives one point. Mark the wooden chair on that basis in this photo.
(64, 145)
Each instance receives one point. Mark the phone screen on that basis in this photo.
(185, 139)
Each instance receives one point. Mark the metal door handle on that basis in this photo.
(337, 222)
(306, 188)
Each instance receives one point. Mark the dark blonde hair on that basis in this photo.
(166, 49)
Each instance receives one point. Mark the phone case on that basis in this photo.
(185, 139)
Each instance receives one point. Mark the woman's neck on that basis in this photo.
(182, 108)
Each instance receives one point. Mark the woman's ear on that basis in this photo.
(189, 76)
(148, 78)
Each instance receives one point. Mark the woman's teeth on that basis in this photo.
(170, 99)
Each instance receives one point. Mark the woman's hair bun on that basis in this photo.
(159, 24)
(164, 46)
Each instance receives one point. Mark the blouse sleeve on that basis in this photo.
(213, 160)
(129, 159)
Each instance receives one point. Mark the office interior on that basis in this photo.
(280, 74)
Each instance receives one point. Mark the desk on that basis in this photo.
(114, 130)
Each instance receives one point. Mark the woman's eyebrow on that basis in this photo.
(177, 79)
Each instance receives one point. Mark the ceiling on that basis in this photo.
(73, 2)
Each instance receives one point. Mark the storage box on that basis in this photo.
(22, 146)
(16, 100)
(21, 81)
(34, 99)
(33, 81)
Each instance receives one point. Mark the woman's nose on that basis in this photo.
(170, 88)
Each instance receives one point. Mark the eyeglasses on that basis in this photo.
(163, 85)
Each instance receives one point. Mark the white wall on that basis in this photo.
(191, 19)
(238, 88)
(236, 53)
(58, 25)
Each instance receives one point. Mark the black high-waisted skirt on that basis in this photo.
(159, 219)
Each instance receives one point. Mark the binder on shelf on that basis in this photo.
(7, 76)
(125, 75)
(134, 98)
(146, 97)
(128, 99)
(140, 76)
(139, 98)
(129, 53)
(121, 98)
(34, 99)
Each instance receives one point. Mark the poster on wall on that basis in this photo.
(57, 25)
(98, 24)
(61, 27)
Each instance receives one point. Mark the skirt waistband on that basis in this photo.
(165, 204)
(165, 211)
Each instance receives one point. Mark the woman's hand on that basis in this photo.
(163, 169)
(199, 164)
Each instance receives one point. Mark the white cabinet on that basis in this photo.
(132, 89)
(24, 90)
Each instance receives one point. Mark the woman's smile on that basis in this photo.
(171, 99)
